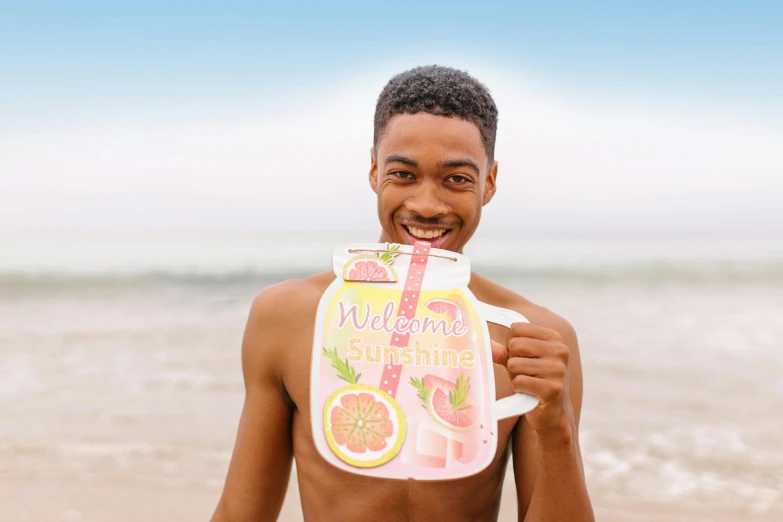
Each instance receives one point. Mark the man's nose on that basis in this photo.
(427, 202)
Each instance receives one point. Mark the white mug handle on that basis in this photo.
(518, 403)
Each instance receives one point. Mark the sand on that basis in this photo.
(54, 499)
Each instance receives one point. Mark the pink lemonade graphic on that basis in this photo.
(417, 323)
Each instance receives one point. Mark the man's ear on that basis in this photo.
(490, 184)
(373, 171)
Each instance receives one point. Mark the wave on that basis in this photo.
(20, 282)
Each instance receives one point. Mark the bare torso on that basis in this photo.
(329, 493)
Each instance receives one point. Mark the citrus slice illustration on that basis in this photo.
(442, 411)
(367, 268)
(364, 426)
(443, 306)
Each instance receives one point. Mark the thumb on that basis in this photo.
(499, 353)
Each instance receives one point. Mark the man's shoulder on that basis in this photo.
(278, 323)
(291, 300)
(498, 295)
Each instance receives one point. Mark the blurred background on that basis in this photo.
(162, 162)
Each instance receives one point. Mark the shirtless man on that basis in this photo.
(433, 169)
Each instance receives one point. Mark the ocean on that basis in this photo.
(119, 363)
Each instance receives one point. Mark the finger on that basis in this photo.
(527, 384)
(533, 331)
(545, 390)
(535, 367)
(499, 353)
(527, 347)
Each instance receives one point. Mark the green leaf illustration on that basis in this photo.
(424, 393)
(344, 370)
(460, 394)
(392, 250)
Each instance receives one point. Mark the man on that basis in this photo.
(433, 169)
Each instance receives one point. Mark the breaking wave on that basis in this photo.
(713, 272)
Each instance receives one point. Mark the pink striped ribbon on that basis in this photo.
(390, 379)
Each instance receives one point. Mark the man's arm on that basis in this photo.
(548, 465)
(261, 463)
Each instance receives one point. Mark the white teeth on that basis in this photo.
(426, 234)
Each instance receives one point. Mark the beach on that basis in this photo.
(120, 381)
(124, 502)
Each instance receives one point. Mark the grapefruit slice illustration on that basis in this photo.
(367, 268)
(364, 426)
(443, 306)
(442, 411)
(447, 402)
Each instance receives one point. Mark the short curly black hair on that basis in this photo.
(442, 91)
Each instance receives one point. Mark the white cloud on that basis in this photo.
(301, 165)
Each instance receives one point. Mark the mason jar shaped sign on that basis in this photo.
(402, 384)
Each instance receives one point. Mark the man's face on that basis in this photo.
(432, 177)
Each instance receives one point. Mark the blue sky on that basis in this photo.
(648, 114)
(61, 52)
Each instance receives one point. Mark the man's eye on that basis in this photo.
(460, 180)
(402, 174)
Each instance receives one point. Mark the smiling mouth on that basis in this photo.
(421, 233)
(435, 236)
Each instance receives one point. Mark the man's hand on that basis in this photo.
(545, 362)
(537, 362)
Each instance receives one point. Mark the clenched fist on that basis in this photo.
(537, 362)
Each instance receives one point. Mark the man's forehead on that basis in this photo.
(424, 133)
